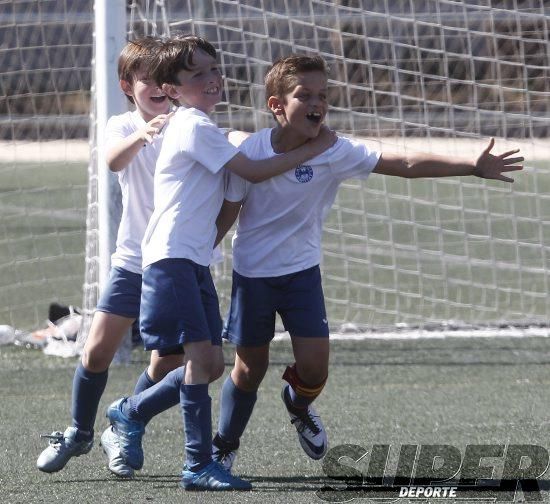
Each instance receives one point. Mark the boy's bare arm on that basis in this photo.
(486, 166)
(262, 169)
(226, 218)
(121, 154)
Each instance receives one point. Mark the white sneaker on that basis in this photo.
(311, 432)
(111, 448)
(61, 449)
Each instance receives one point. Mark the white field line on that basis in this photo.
(79, 150)
(36, 152)
(540, 332)
(73, 215)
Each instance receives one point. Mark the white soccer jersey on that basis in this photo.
(281, 220)
(136, 184)
(189, 189)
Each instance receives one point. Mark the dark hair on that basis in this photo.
(176, 54)
(137, 55)
(281, 77)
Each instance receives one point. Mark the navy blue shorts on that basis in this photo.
(297, 297)
(122, 294)
(179, 305)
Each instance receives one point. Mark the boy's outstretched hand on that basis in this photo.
(154, 127)
(489, 166)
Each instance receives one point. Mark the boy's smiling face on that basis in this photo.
(148, 97)
(303, 109)
(201, 86)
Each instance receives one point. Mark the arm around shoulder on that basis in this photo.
(255, 171)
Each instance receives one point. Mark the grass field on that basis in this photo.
(391, 254)
(42, 240)
(449, 391)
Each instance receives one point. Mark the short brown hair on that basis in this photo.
(176, 54)
(281, 77)
(137, 55)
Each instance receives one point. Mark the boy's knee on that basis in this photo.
(312, 375)
(217, 363)
(95, 361)
(306, 376)
(160, 366)
(248, 378)
(217, 370)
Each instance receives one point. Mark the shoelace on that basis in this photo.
(223, 455)
(224, 452)
(308, 422)
(54, 439)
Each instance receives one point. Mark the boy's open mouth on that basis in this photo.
(314, 117)
(158, 99)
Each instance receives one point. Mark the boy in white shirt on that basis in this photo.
(277, 249)
(179, 304)
(133, 144)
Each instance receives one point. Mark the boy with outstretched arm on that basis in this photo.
(277, 249)
(179, 304)
(133, 144)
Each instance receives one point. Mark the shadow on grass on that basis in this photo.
(261, 483)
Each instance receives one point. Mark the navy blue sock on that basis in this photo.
(236, 406)
(88, 388)
(155, 399)
(143, 383)
(196, 407)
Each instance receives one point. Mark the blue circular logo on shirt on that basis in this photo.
(304, 173)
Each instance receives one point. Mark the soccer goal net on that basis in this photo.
(45, 61)
(438, 76)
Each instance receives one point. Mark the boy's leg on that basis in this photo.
(161, 329)
(128, 416)
(304, 316)
(161, 363)
(196, 405)
(154, 400)
(133, 413)
(106, 333)
(310, 372)
(238, 394)
(250, 326)
(237, 400)
(200, 472)
(306, 379)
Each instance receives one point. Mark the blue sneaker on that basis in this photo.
(213, 477)
(129, 433)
